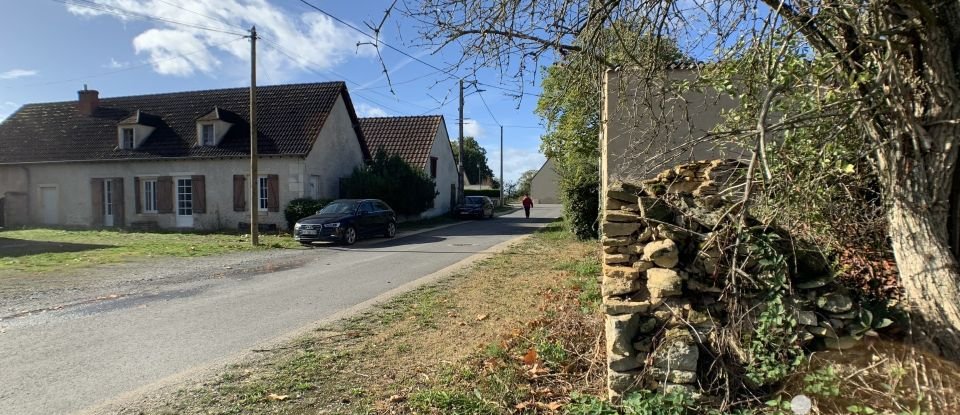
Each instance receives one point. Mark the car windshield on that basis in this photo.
(339, 207)
(474, 200)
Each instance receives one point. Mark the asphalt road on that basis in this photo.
(83, 356)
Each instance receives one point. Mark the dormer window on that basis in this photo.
(135, 129)
(213, 126)
(128, 140)
(208, 136)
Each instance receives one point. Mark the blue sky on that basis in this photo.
(54, 48)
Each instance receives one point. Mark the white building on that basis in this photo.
(177, 160)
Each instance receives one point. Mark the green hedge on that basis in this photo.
(301, 208)
(407, 189)
(491, 193)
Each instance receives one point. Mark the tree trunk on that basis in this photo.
(928, 273)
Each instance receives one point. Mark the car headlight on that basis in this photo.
(331, 225)
(296, 226)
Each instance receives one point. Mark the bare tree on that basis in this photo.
(896, 63)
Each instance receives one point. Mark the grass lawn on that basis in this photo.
(44, 250)
(517, 332)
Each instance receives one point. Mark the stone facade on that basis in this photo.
(662, 280)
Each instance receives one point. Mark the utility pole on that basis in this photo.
(460, 161)
(254, 177)
(502, 182)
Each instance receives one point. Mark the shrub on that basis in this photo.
(407, 189)
(580, 194)
(300, 208)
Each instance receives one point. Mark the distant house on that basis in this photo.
(423, 142)
(544, 186)
(176, 160)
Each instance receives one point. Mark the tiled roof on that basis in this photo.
(410, 137)
(289, 118)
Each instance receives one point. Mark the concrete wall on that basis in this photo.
(647, 128)
(335, 154)
(446, 173)
(14, 187)
(545, 187)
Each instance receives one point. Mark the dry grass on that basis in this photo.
(887, 377)
(456, 347)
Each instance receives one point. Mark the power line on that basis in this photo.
(123, 12)
(226, 23)
(484, 101)
(290, 55)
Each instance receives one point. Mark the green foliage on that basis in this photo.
(589, 405)
(823, 383)
(451, 402)
(408, 190)
(300, 208)
(474, 160)
(580, 194)
(523, 183)
(647, 402)
(774, 348)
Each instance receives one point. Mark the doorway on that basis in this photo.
(184, 203)
(49, 204)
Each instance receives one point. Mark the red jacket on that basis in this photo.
(527, 202)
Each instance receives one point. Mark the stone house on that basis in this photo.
(175, 160)
(423, 142)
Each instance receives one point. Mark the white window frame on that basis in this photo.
(184, 200)
(124, 138)
(149, 193)
(208, 140)
(263, 200)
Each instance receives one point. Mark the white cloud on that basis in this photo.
(367, 110)
(312, 40)
(17, 73)
(472, 129)
(115, 64)
(515, 161)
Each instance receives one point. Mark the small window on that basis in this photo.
(128, 138)
(150, 196)
(433, 167)
(366, 207)
(207, 134)
(262, 190)
(382, 206)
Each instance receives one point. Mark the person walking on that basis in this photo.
(527, 204)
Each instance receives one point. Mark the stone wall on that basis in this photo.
(663, 278)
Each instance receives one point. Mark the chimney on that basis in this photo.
(89, 100)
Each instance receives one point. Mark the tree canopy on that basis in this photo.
(474, 160)
(882, 70)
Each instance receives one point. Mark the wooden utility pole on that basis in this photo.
(460, 161)
(254, 177)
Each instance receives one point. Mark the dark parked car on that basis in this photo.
(479, 206)
(345, 220)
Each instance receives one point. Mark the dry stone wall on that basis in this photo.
(662, 280)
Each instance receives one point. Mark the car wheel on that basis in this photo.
(349, 236)
(391, 230)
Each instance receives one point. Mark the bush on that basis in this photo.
(407, 189)
(300, 208)
(580, 194)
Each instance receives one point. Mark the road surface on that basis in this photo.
(82, 356)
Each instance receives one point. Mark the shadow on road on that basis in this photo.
(508, 226)
(21, 247)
